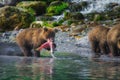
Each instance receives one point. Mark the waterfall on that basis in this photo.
(3, 1)
(96, 5)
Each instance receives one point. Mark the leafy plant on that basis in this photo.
(58, 9)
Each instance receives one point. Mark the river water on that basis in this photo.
(64, 67)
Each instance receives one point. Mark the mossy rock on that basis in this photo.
(84, 4)
(110, 6)
(76, 7)
(41, 24)
(98, 17)
(114, 13)
(45, 18)
(63, 28)
(38, 6)
(78, 30)
(56, 8)
(13, 17)
(73, 16)
(36, 24)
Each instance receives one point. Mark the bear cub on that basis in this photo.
(98, 39)
(113, 39)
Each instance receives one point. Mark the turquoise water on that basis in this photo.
(70, 67)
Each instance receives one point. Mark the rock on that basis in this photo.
(36, 24)
(13, 17)
(110, 6)
(38, 6)
(63, 28)
(55, 3)
(78, 30)
(10, 49)
(44, 18)
(76, 7)
(73, 16)
(1, 5)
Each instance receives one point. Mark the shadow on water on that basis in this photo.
(66, 67)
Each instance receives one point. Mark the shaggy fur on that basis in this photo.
(113, 39)
(98, 39)
(32, 38)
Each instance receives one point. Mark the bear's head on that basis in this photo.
(49, 33)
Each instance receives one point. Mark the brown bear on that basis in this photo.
(98, 39)
(32, 38)
(113, 39)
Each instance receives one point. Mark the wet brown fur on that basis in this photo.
(31, 38)
(113, 39)
(98, 39)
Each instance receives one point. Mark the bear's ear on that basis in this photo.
(45, 29)
(56, 30)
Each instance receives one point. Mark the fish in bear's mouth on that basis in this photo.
(49, 45)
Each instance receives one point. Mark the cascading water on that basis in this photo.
(96, 5)
(93, 6)
(4, 1)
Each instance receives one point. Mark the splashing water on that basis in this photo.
(96, 5)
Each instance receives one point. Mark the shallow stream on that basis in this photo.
(65, 67)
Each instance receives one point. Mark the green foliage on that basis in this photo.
(29, 10)
(97, 17)
(56, 10)
(69, 22)
(55, 24)
(61, 21)
(50, 24)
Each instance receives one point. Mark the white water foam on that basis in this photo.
(96, 5)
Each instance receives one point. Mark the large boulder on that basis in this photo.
(12, 17)
(38, 6)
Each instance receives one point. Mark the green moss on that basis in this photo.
(55, 24)
(38, 7)
(56, 10)
(61, 21)
(29, 10)
(12, 17)
(73, 16)
(69, 22)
